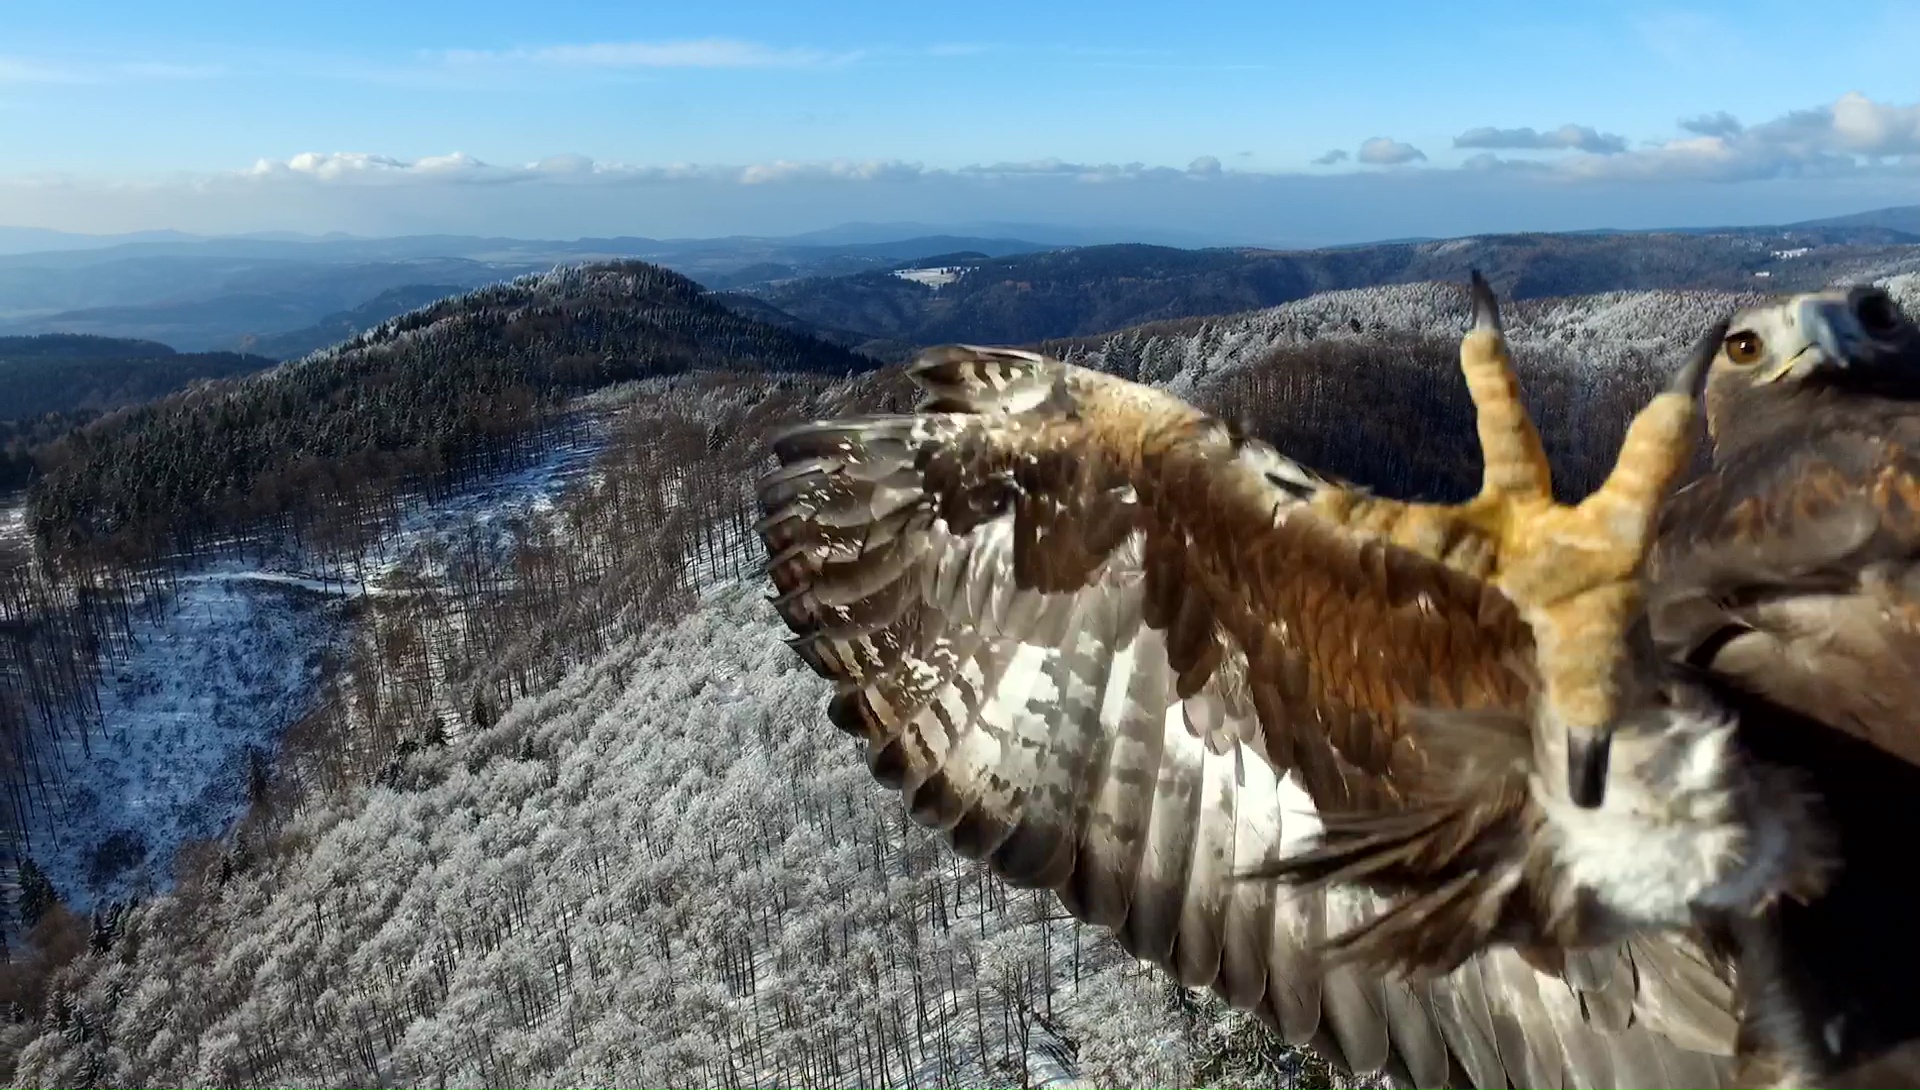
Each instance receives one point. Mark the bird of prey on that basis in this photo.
(1781, 598)
(1115, 649)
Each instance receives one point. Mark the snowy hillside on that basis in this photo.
(665, 870)
(660, 866)
(1600, 330)
(1594, 332)
(566, 811)
(219, 669)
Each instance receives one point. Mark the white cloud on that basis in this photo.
(1853, 135)
(1381, 151)
(1206, 166)
(1566, 137)
(691, 53)
(1873, 128)
(1718, 123)
(866, 170)
(1337, 155)
(1867, 150)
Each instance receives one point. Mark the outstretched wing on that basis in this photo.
(1789, 567)
(1116, 651)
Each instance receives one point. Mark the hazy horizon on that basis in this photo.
(1250, 124)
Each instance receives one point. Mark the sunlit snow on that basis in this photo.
(233, 660)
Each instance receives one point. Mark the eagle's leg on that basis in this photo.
(1516, 482)
(1573, 571)
(1514, 470)
(1575, 574)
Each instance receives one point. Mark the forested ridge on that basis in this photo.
(1095, 289)
(54, 382)
(421, 402)
(577, 818)
(313, 461)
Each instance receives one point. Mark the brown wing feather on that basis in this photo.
(1790, 567)
(1110, 649)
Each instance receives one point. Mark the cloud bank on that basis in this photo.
(1853, 135)
(1850, 154)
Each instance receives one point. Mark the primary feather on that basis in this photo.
(1117, 651)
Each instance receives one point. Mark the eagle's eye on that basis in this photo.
(1745, 347)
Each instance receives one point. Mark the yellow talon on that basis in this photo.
(1572, 571)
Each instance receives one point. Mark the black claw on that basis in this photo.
(1692, 376)
(1587, 770)
(1486, 309)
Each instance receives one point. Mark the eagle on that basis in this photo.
(1507, 792)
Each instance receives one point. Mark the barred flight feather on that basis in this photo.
(1107, 648)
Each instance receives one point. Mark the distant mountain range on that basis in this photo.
(283, 295)
(205, 294)
(1088, 290)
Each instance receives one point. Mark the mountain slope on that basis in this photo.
(591, 827)
(1904, 219)
(1078, 292)
(53, 383)
(344, 324)
(67, 373)
(657, 866)
(418, 401)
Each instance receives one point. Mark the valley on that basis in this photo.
(222, 662)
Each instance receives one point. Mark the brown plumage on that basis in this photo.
(1118, 651)
(1786, 578)
(1780, 602)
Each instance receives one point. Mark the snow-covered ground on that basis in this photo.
(13, 518)
(229, 666)
(934, 278)
(497, 511)
(234, 658)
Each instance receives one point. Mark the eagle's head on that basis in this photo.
(1846, 339)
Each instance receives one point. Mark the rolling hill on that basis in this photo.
(343, 324)
(1078, 292)
(67, 373)
(413, 400)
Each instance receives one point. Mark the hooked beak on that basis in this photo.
(1829, 335)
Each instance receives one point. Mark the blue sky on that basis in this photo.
(1273, 122)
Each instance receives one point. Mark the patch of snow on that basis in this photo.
(935, 278)
(1788, 255)
(233, 659)
(226, 668)
(13, 520)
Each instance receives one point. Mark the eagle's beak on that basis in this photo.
(1827, 333)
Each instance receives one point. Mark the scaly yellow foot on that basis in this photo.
(1572, 571)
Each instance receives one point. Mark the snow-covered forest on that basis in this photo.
(571, 814)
